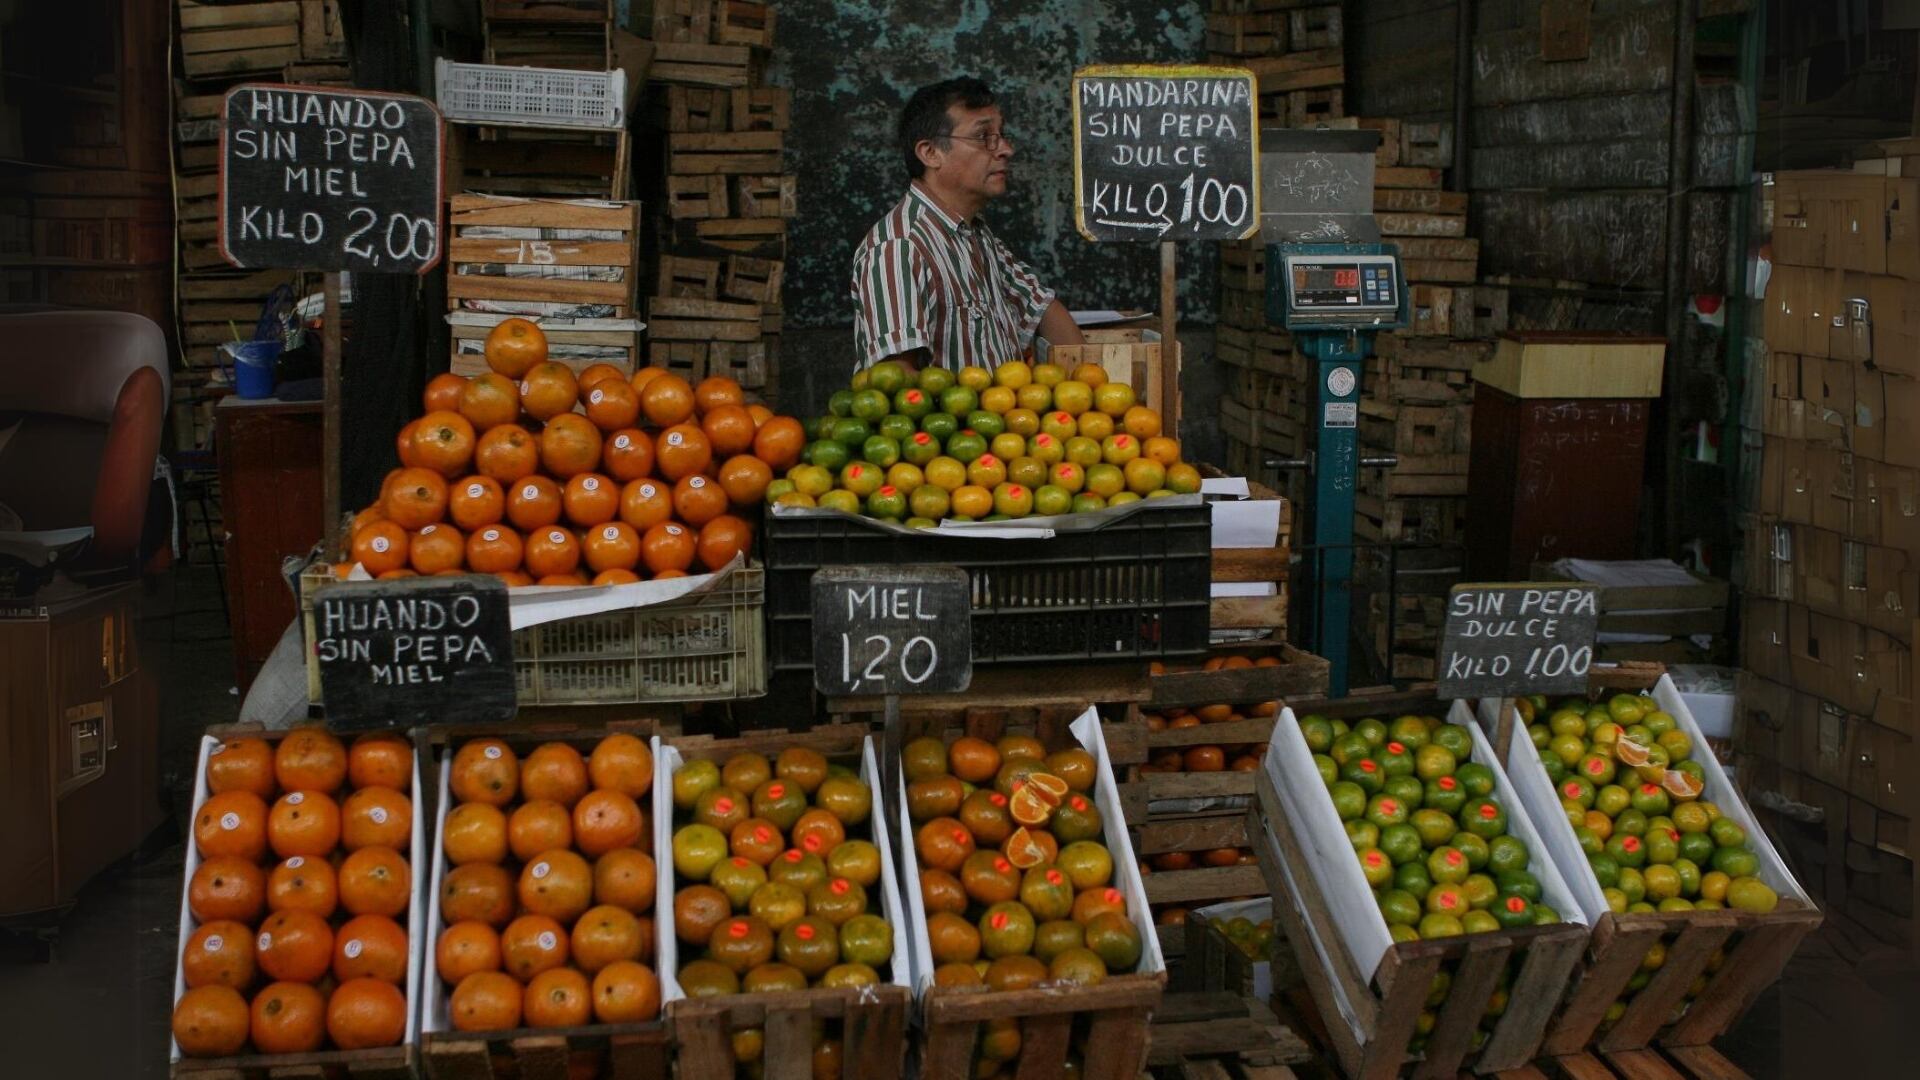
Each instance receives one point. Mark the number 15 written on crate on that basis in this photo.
(888, 630)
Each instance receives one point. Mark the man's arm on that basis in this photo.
(890, 284)
(1058, 327)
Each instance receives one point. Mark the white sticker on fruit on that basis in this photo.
(428, 530)
(648, 491)
(265, 941)
(591, 483)
(229, 821)
(525, 388)
(540, 870)
(353, 949)
(490, 535)
(213, 943)
(597, 396)
(547, 940)
(381, 544)
(474, 491)
(378, 814)
(673, 530)
(296, 862)
(556, 537)
(697, 482)
(621, 442)
(296, 798)
(492, 753)
(531, 491)
(611, 532)
(675, 438)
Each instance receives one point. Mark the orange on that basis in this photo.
(569, 445)
(1161, 449)
(231, 823)
(485, 1001)
(559, 998)
(532, 944)
(1029, 806)
(613, 546)
(1024, 848)
(553, 772)
(973, 760)
(605, 935)
(444, 443)
(493, 550)
(729, 428)
(403, 443)
(244, 764)
(485, 770)
(475, 501)
(717, 391)
(615, 576)
(506, 453)
(779, 441)
(612, 405)
(538, 826)
(304, 823)
(210, 1021)
(1141, 422)
(563, 580)
(552, 550)
(627, 454)
(698, 500)
(443, 392)
(474, 832)
(219, 953)
(489, 400)
(375, 881)
(482, 892)
(548, 390)
(415, 497)
(667, 546)
(591, 499)
(394, 575)
(721, 539)
(365, 1013)
(605, 820)
(370, 946)
(309, 759)
(644, 376)
(366, 517)
(534, 502)
(288, 1018)
(943, 844)
(376, 817)
(624, 877)
(436, 548)
(623, 763)
(381, 759)
(464, 948)
(682, 450)
(626, 993)
(514, 346)
(646, 503)
(745, 478)
(294, 946)
(666, 399)
(514, 579)
(303, 884)
(227, 887)
(557, 883)
(594, 374)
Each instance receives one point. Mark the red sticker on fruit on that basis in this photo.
(1596, 766)
(1054, 878)
(1631, 843)
(737, 930)
(1489, 811)
(723, 805)
(1373, 858)
(762, 835)
(913, 397)
(741, 862)
(793, 855)
(1572, 790)
(1453, 858)
(923, 438)
(1447, 783)
(1367, 765)
(811, 843)
(997, 799)
(1649, 789)
(960, 836)
(1112, 896)
(1079, 803)
(998, 921)
(1516, 905)
(840, 886)
(1002, 865)
(1388, 806)
(776, 791)
(1396, 748)
(804, 932)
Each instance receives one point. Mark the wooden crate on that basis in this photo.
(548, 251)
(548, 12)
(632, 1051)
(678, 21)
(213, 305)
(745, 235)
(1308, 108)
(1318, 27)
(1305, 70)
(755, 281)
(680, 319)
(1222, 1035)
(745, 362)
(696, 198)
(1132, 355)
(763, 196)
(568, 46)
(694, 109)
(694, 64)
(1210, 963)
(731, 153)
(1249, 33)
(1417, 430)
(1386, 1003)
(763, 108)
(538, 161)
(744, 22)
(577, 343)
(219, 41)
(689, 278)
(322, 35)
(1428, 144)
(1664, 1062)
(873, 1019)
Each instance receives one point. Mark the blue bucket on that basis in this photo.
(252, 367)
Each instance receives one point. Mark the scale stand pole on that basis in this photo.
(330, 411)
(1335, 474)
(1169, 341)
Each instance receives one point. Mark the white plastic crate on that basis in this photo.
(531, 96)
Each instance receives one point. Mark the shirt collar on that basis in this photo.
(915, 191)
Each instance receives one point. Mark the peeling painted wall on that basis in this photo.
(852, 64)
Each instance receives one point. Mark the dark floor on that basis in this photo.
(99, 1007)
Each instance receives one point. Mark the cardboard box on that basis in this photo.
(1832, 219)
(1893, 306)
(1783, 375)
(1820, 732)
(1903, 225)
(1828, 657)
(1765, 642)
(1762, 712)
(1882, 587)
(1830, 481)
(1867, 418)
(1901, 418)
(1891, 496)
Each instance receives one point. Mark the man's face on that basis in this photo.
(967, 164)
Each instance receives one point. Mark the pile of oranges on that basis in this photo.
(307, 894)
(541, 476)
(546, 901)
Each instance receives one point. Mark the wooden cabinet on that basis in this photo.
(78, 757)
(270, 508)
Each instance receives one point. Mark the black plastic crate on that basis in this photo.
(1136, 587)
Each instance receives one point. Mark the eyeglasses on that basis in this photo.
(990, 142)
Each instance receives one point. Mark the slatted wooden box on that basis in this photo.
(219, 41)
(732, 153)
(577, 343)
(692, 63)
(558, 252)
(548, 162)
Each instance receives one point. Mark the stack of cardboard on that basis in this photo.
(1833, 548)
(725, 193)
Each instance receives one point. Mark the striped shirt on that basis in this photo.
(922, 280)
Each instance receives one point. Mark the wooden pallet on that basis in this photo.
(1221, 1035)
(577, 343)
(532, 250)
(387, 1063)
(1305, 70)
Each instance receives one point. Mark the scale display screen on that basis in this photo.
(1354, 283)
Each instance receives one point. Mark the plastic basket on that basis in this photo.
(1138, 586)
(531, 96)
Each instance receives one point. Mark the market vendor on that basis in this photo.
(932, 285)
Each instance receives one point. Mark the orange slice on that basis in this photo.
(1022, 850)
(1680, 785)
(1052, 788)
(1029, 805)
(1631, 752)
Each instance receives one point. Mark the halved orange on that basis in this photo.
(1681, 785)
(1029, 806)
(1022, 850)
(1631, 751)
(1052, 788)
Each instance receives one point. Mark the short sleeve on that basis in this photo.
(1024, 294)
(891, 290)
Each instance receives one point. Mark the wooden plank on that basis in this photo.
(1405, 176)
(1643, 1065)
(1196, 833)
(714, 75)
(198, 42)
(492, 287)
(208, 16)
(1705, 1063)
(1421, 248)
(1043, 1046)
(1631, 53)
(1474, 981)
(240, 62)
(676, 307)
(1204, 883)
(509, 252)
(1752, 966)
(1247, 612)
(1619, 945)
(1405, 979)
(1417, 225)
(466, 209)
(723, 164)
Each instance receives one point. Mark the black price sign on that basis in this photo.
(1165, 152)
(399, 653)
(1509, 640)
(320, 179)
(892, 630)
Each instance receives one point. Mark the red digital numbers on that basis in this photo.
(1346, 279)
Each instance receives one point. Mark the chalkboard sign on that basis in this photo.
(1509, 640)
(320, 179)
(398, 653)
(1165, 153)
(892, 630)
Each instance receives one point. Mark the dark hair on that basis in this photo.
(925, 116)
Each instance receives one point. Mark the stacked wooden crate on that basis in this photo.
(1302, 76)
(725, 195)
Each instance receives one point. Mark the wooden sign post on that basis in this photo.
(1503, 641)
(892, 630)
(335, 180)
(1166, 152)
